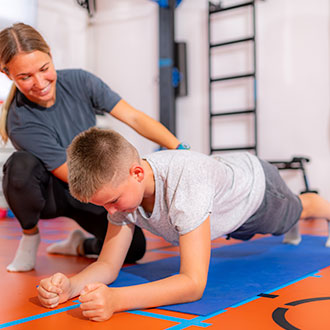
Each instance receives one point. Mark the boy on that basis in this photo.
(186, 197)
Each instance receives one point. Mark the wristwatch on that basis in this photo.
(183, 146)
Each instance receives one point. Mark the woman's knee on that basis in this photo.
(138, 246)
(21, 169)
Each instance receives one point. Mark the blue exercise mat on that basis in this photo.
(239, 272)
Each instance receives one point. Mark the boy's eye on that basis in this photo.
(113, 202)
(44, 69)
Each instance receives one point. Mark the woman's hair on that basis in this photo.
(4, 113)
(97, 157)
(19, 38)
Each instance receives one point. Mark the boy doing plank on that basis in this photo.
(185, 197)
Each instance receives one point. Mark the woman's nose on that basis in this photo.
(39, 81)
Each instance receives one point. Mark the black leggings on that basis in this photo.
(33, 193)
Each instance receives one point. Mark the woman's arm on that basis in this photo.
(141, 123)
(61, 172)
(144, 125)
(100, 302)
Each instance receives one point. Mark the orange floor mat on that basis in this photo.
(301, 305)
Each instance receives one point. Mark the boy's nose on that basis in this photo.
(112, 210)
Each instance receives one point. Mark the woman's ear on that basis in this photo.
(5, 71)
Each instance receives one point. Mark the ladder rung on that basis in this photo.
(231, 42)
(286, 167)
(233, 148)
(233, 77)
(245, 4)
(229, 113)
(296, 163)
(295, 159)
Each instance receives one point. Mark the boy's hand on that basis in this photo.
(54, 290)
(97, 303)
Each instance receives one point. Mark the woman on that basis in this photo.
(44, 111)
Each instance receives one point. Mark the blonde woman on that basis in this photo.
(45, 110)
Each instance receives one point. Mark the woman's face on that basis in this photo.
(35, 76)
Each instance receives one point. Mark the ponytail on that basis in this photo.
(4, 114)
(19, 38)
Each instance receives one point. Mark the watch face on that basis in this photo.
(183, 146)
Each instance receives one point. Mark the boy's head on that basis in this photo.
(97, 157)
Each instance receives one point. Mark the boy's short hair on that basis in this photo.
(96, 157)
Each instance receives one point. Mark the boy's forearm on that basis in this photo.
(172, 290)
(187, 286)
(95, 272)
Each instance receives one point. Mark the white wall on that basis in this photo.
(64, 24)
(293, 85)
(192, 110)
(12, 12)
(293, 71)
(126, 57)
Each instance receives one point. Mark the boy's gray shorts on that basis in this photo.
(278, 212)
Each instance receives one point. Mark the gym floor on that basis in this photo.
(20, 308)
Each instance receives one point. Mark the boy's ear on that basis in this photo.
(137, 172)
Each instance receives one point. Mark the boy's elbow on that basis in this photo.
(199, 292)
(196, 291)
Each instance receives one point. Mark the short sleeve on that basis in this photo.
(120, 219)
(103, 98)
(40, 142)
(188, 213)
(192, 199)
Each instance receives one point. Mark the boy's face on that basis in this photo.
(125, 197)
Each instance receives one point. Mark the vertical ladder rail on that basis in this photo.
(210, 75)
(255, 77)
(296, 163)
(213, 9)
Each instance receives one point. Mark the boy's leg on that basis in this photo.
(23, 181)
(279, 211)
(293, 236)
(327, 243)
(314, 206)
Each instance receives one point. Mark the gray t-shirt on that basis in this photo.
(190, 186)
(47, 132)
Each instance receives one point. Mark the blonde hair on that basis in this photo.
(4, 113)
(96, 157)
(19, 38)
